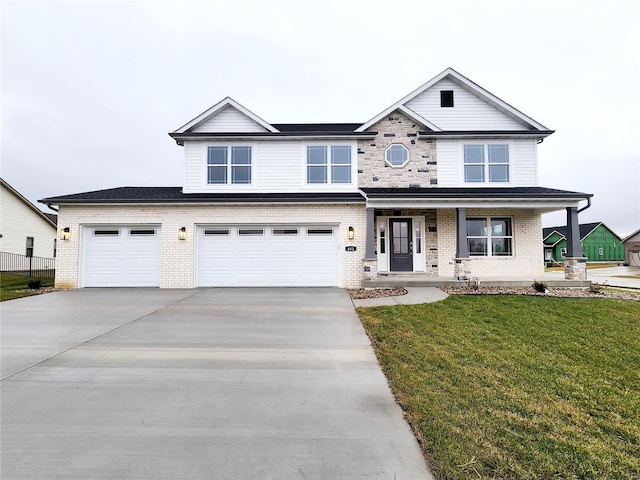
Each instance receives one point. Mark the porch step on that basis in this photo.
(422, 281)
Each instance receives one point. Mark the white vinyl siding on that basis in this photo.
(229, 120)
(468, 113)
(522, 163)
(276, 167)
(18, 221)
(268, 255)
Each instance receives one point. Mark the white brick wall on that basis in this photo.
(527, 261)
(178, 257)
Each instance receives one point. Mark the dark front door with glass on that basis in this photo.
(401, 258)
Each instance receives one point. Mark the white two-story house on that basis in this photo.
(443, 183)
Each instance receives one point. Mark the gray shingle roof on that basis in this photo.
(175, 195)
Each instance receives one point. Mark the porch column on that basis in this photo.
(370, 250)
(370, 260)
(462, 248)
(462, 266)
(573, 233)
(575, 265)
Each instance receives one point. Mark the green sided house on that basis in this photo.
(442, 184)
(598, 242)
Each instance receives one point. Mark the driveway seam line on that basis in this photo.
(97, 336)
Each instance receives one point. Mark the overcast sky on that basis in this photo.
(90, 89)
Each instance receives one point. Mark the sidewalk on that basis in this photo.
(414, 296)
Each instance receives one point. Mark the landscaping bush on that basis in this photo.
(35, 284)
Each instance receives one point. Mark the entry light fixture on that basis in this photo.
(65, 233)
(182, 233)
(351, 233)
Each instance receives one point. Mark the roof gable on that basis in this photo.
(31, 206)
(586, 229)
(630, 237)
(450, 75)
(227, 116)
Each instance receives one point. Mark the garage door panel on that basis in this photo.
(121, 256)
(276, 258)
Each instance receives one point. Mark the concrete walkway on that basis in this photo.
(414, 296)
(614, 276)
(196, 384)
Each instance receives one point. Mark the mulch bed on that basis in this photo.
(360, 293)
(551, 292)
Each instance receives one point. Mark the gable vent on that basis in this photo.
(446, 98)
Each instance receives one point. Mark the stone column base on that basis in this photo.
(462, 268)
(575, 268)
(370, 268)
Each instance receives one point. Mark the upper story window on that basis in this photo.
(490, 236)
(486, 163)
(397, 155)
(229, 164)
(328, 164)
(446, 98)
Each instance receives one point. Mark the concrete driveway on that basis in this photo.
(196, 384)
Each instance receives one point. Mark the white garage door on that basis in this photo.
(263, 255)
(121, 256)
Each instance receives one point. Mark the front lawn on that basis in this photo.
(516, 386)
(14, 286)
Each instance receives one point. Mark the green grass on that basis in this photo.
(9, 284)
(517, 387)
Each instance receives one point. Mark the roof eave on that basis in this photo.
(485, 134)
(180, 138)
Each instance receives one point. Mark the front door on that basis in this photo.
(401, 259)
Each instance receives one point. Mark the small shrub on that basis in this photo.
(540, 287)
(35, 284)
(473, 284)
(597, 288)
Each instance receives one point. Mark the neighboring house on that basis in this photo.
(598, 242)
(24, 229)
(632, 249)
(443, 183)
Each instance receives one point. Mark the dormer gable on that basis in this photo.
(227, 116)
(452, 102)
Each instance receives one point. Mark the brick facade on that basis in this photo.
(527, 261)
(178, 257)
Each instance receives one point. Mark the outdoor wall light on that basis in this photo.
(351, 233)
(65, 233)
(182, 233)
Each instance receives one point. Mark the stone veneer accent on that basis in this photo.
(430, 238)
(419, 171)
(575, 268)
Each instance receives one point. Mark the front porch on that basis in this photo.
(421, 280)
(448, 237)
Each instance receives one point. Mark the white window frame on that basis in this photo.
(490, 236)
(486, 164)
(229, 165)
(329, 165)
(386, 155)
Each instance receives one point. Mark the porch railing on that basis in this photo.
(21, 265)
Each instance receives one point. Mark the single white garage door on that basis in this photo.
(263, 255)
(121, 256)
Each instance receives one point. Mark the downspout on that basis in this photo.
(586, 206)
(52, 208)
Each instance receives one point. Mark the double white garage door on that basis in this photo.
(254, 255)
